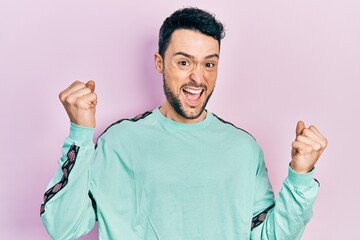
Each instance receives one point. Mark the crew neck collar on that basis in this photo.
(167, 122)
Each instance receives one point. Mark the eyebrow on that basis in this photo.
(192, 57)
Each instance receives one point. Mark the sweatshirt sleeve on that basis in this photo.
(287, 216)
(67, 211)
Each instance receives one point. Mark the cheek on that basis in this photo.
(211, 79)
(173, 82)
(177, 77)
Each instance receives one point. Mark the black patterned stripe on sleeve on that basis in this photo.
(66, 169)
(226, 122)
(260, 218)
(134, 119)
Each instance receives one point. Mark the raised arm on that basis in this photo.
(67, 211)
(287, 218)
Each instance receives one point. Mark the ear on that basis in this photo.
(159, 63)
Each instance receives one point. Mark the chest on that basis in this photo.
(190, 164)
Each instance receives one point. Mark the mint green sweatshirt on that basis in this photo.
(152, 178)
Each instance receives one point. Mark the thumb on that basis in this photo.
(91, 84)
(300, 127)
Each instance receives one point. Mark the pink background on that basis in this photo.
(281, 61)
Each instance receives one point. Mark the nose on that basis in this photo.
(197, 74)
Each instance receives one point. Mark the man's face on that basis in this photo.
(189, 70)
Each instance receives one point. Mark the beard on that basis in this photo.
(176, 103)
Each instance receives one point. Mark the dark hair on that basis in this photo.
(193, 19)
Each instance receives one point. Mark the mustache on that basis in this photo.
(192, 84)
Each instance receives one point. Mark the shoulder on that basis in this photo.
(237, 140)
(232, 127)
(234, 135)
(126, 124)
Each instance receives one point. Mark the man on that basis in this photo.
(179, 171)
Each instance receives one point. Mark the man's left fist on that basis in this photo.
(307, 148)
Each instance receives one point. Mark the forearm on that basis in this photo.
(67, 211)
(292, 210)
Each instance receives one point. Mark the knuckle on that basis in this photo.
(80, 83)
(299, 138)
(317, 146)
(306, 131)
(78, 102)
(325, 142)
(85, 91)
(61, 96)
(70, 100)
(309, 148)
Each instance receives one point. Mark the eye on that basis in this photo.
(209, 65)
(183, 63)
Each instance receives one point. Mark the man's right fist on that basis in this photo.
(79, 101)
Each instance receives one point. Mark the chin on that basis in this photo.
(192, 112)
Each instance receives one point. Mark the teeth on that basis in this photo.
(193, 91)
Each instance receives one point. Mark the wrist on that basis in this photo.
(300, 169)
(300, 180)
(81, 135)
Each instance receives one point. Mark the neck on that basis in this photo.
(168, 111)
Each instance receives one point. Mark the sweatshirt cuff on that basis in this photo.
(301, 180)
(82, 136)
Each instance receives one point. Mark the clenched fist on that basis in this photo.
(79, 101)
(307, 148)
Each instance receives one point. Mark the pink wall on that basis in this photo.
(281, 61)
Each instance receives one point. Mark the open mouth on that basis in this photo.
(192, 94)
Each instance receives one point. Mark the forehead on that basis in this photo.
(193, 43)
